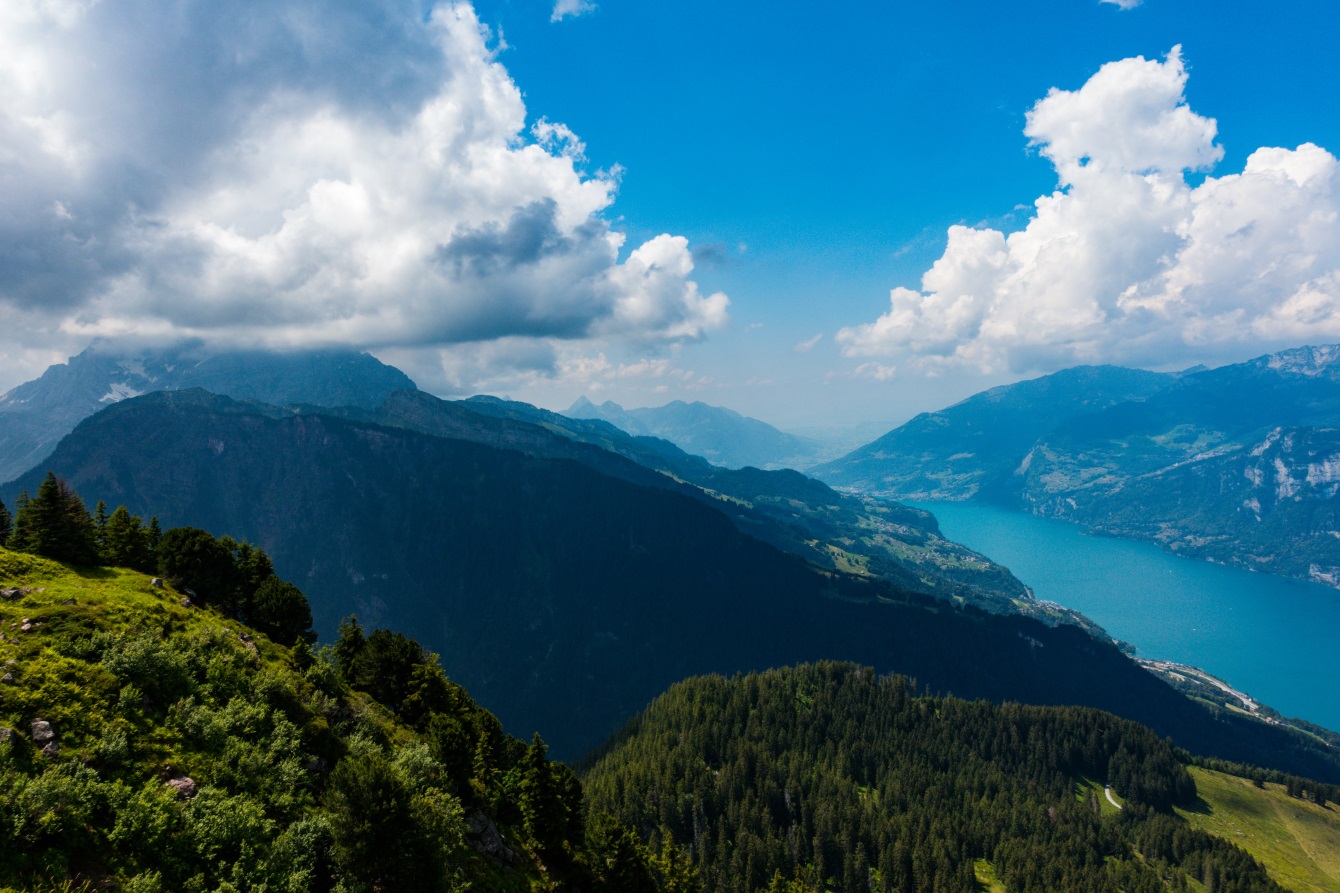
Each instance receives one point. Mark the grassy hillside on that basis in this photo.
(1297, 841)
(150, 745)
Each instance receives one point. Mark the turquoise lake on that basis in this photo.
(1276, 639)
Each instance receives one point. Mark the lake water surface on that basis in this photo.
(1276, 639)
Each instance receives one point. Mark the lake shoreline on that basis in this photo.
(1254, 632)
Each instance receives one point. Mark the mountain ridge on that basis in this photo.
(36, 414)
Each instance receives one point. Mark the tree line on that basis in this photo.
(234, 577)
(1294, 785)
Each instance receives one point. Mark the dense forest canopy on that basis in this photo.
(830, 777)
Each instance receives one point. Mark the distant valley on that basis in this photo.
(721, 436)
(407, 510)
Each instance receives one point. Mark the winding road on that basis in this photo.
(1107, 789)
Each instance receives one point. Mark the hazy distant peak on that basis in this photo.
(720, 435)
(1307, 360)
(39, 412)
(578, 405)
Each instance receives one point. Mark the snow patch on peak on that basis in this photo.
(119, 391)
(1310, 361)
(134, 367)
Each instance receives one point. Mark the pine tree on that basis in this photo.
(18, 533)
(6, 523)
(55, 524)
(255, 568)
(540, 804)
(124, 543)
(349, 644)
(100, 530)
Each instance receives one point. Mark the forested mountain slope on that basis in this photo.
(795, 513)
(150, 742)
(829, 777)
(565, 599)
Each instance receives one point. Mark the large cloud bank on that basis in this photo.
(1126, 261)
(302, 172)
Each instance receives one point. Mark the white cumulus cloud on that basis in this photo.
(1124, 4)
(304, 173)
(1127, 261)
(565, 8)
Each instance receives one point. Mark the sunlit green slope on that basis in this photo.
(153, 745)
(1298, 841)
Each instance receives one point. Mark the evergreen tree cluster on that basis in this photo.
(490, 773)
(236, 578)
(829, 777)
(54, 524)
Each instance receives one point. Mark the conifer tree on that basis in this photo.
(254, 568)
(348, 646)
(6, 523)
(124, 543)
(55, 524)
(17, 534)
(100, 530)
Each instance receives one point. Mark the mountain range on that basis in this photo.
(1239, 464)
(721, 436)
(565, 597)
(34, 416)
(790, 511)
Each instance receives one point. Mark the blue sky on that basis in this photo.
(716, 203)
